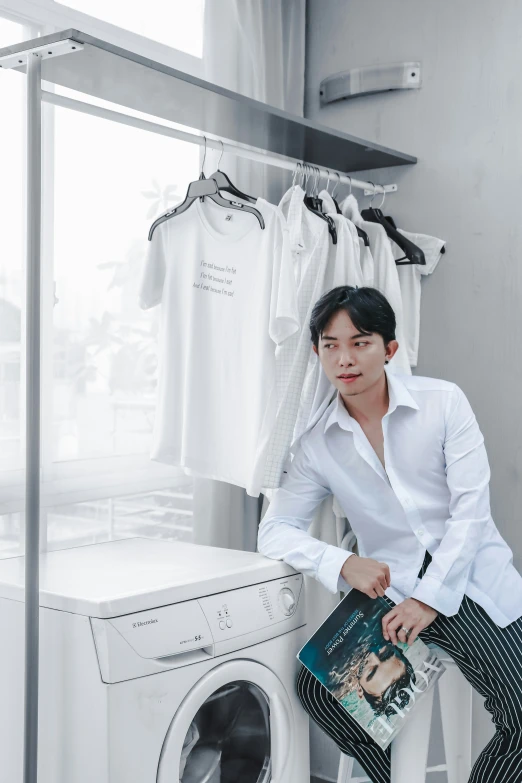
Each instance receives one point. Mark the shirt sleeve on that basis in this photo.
(284, 315)
(153, 273)
(467, 474)
(283, 530)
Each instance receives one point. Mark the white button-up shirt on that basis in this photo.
(433, 494)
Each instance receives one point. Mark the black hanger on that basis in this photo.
(224, 182)
(315, 205)
(364, 236)
(413, 253)
(337, 207)
(391, 220)
(201, 188)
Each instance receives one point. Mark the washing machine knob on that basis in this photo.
(287, 601)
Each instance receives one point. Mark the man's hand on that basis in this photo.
(410, 614)
(367, 575)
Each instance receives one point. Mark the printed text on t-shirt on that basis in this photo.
(208, 277)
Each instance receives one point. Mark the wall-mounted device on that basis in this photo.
(369, 80)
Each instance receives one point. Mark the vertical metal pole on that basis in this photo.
(32, 485)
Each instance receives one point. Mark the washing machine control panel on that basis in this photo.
(194, 630)
(252, 608)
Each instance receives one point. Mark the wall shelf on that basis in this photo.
(102, 70)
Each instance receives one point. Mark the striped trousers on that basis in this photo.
(489, 657)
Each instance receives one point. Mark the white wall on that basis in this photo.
(464, 125)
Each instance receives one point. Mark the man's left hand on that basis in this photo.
(410, 614)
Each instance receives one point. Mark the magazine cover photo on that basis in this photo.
(376, 681)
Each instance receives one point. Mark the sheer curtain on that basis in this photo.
(257, 48)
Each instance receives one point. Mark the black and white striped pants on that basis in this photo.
(491, 660)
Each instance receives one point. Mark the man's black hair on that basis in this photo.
(368, 309)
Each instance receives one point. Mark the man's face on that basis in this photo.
(343, 350)
(377, 674)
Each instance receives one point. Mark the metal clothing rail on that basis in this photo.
(236, 149)
(259, 132)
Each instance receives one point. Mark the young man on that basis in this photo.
(405, 458)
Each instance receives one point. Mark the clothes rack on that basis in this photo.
(251, 129)
(236, 149)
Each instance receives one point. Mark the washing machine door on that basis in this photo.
(234, 725)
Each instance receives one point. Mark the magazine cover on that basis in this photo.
(378, 683)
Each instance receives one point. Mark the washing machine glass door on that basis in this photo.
(234, 725)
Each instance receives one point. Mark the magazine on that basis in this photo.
(377, 682)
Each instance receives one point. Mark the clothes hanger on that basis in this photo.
(413, 253)
(391, 220)
(334, 191)
(224, 183)
(314, 204)
(201, 188)
(360, 231)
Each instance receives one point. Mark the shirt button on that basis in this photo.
(420, 531)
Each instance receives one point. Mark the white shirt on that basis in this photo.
(433, 495)
(410, 283)
(343, 268)
(228, 297)
(364, 256)
(309, 244)
(386, 277)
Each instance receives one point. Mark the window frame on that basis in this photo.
(65, 482)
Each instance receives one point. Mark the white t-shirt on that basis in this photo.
(410, 282)
(228, 297)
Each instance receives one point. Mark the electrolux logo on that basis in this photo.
(145, 622)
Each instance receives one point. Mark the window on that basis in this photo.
(176, 23)
(12, 256)
(104, 346)
(98, 348)
(165, 514)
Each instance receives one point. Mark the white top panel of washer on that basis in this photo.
(119, 577)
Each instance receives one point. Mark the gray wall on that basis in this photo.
(464, 125)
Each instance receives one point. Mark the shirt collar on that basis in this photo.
(350, 209)
(398, 393)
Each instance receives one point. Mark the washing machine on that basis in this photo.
(160, 662)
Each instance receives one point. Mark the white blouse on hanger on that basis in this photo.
(410, 282)
(309, 245)
(386, 278)
(343, 268)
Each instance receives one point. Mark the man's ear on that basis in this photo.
(360, 692)
(314, 348)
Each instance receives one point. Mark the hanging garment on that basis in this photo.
(386, 278)
(410, 283)
(342, 268)
(228, 296)
(367, 264)
(364, 256)
(309, 243)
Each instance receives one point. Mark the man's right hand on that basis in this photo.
(367, 575)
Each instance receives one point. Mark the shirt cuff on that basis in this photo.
(343, 585)
(330, 566)
(437, 595)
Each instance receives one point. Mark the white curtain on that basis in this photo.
(257, 48)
